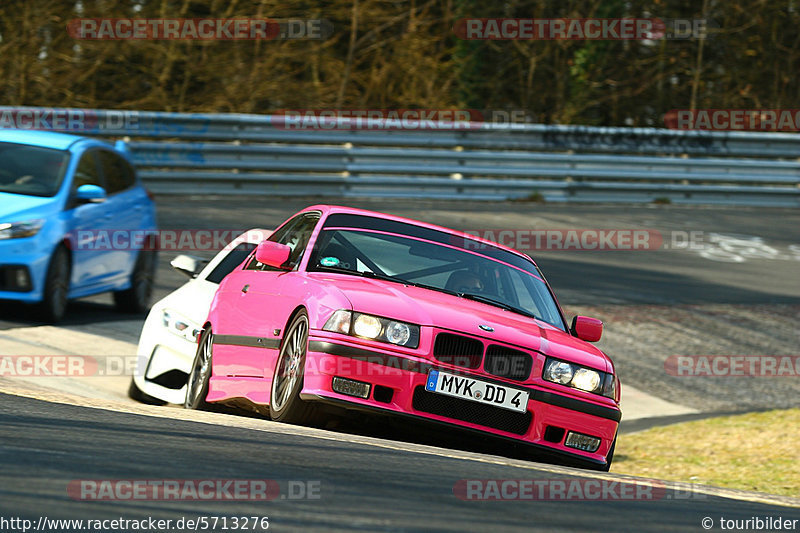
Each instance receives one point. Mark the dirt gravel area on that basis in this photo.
(642, 338)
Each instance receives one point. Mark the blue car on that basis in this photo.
(61, 199)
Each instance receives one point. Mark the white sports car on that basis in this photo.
(168, 341)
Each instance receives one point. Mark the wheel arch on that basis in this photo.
(289, 320)
(66, 244)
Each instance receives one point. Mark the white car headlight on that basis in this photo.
(578, 377)
(179, 325)
(17, 230)
(373, 327)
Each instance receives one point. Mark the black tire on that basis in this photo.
(285, 404)
(56, 287)
(197, 383)
(136, 299)
(609, 457)
(135, 393)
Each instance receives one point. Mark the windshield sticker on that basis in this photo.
(329, 261)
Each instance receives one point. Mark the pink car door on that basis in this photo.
(254, 304)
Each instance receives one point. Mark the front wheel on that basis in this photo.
(285, 404)
(197, 384)
(56, 288)
(136, 299)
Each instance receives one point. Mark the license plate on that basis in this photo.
(477, 390)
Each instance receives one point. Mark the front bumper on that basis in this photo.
(26, 255)
(163, 360)
(397, 386)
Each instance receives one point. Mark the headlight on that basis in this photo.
(579, 377)
(398, 333)
(610, 386)
(179, 325)
(367, 326)
(558, 372)
(339, 322)
(17, 230)
(373, 327)
(586, 379)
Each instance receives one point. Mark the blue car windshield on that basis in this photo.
(31, 170)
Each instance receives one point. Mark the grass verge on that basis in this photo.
(754, 451)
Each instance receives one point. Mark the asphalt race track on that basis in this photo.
(361, 487)
(738, 294)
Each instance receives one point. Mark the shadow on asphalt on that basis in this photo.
(402, 429)
(79, 313)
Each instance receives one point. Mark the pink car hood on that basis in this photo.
(430, 308)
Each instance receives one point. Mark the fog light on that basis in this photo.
(350, 387)
(15, 278)
(22, 278)
(582, 442)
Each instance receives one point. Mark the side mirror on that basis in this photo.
(587, 329)
(123, 146)
(272, 254)
(90, 194)
(189, 265)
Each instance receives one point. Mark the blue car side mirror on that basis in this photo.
(90, 193)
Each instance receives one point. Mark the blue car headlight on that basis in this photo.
(17, 230)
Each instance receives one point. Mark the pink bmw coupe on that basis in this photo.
(372, 311)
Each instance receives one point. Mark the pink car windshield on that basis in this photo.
(457, 266)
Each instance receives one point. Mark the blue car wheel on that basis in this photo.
(56, 287)
(136, 299)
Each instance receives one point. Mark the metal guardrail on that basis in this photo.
(255, 154)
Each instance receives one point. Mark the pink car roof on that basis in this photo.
(329, 209)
